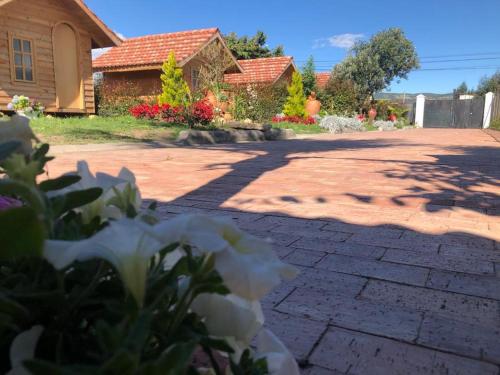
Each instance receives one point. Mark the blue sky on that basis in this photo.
(457, 29)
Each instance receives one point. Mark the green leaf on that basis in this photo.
(22, 233)
(7, 148)
(59, 183)
(139, 333)
(38, 367)
(122, 363)
(75, 199)
(177, 358)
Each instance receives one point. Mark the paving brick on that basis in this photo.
(345, 248)
(456, 306)
(422, 245)
(277, 295)
(375, 269)
(298, 334)
(345, 311)
(328, 282)
(475, 285)
(486, 254)
(278, 239)
(290, 223)
(461, 338)
(439, 261)
(306, 258)
(360, 354)
(380, 231)
(461, 240)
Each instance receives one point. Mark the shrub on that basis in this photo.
(259, 103)
(26, 107)
(117, 98)
(202, 113)
(145, 111)
(309, 120)
(296, 101)
(199, 113)
(337, 124)
(495, 124)
(339, 97)
(175, 90)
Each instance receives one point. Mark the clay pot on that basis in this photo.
(393, 118)
(313, 105)
(210, 97)
(372, 113)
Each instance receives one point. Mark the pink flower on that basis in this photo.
(7, 203)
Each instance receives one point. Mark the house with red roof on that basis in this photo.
(265, 71)
(322, 79)
(45, 53)
(139, 60)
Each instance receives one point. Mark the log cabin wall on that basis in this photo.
(35, 21)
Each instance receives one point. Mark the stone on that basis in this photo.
(200, 137)
(279, 134)
(248, 126)
(474, 285)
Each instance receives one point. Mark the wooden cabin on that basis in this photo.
(45, 53)
(263, 71)
(138, 61)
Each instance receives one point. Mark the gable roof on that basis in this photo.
(150, 51)
(322, 79)
(102, 36)
(263, 70)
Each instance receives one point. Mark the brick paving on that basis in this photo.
(397, 236)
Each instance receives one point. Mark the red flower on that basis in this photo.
(295, 119)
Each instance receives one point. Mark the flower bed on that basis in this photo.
(200, 112)
(309, 120)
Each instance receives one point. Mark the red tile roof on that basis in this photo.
(322, 79)
(264, 70)
(153, 50)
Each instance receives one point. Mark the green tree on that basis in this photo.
(462, 89)
(339, 97)
(374, 64)
(244, 48)
(296, 101)
(175, 90)
(489, 84)
(309, 77)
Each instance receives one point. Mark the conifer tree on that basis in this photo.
(309, 77)
(296, 100)
(175, 90)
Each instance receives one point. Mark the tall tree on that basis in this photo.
(295, 104)
(489, 84)
(309, 77)
(175, 90)
(462, 89)
(245, 47)
(374, 64)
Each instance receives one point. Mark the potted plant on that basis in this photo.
(313, 105)
(23, 106)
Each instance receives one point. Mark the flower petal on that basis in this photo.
(23, 348)
(279, 360)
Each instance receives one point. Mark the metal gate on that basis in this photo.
(454, 113)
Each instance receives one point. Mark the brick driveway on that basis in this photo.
(397, 236)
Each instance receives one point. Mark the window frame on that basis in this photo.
(13, 64)
(195, 71)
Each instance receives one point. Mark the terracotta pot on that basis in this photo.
(210, 97)
(372, 113)
(393, 118)
(313, 105)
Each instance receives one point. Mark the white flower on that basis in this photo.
(230, 317)
(279, 360)
(118, 193)
(10, 106)
(248, 265)
(23, 348)
(123, 243)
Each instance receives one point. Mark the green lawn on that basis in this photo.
(300, 128)
(80, 130)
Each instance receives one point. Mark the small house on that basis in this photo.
(263, 71)
(45, 53)
(139, 60)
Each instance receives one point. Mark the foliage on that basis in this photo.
(25, 106)
(258, 102)
(462, 89)
(198, 113)
(300, 128)
(88, 130)
(296, 100)
(115, 99)
(309, 120)
(244, 48)
(339, 97)
(175, 90)
(338, 124)
(373, 65)
(94, 284)
(489, 84)
(495, 124)
(216, 62)
(309, 77)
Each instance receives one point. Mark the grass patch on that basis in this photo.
(81, 130)
(300, 128)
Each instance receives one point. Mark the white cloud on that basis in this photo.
(339, 41)
(121, 36)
